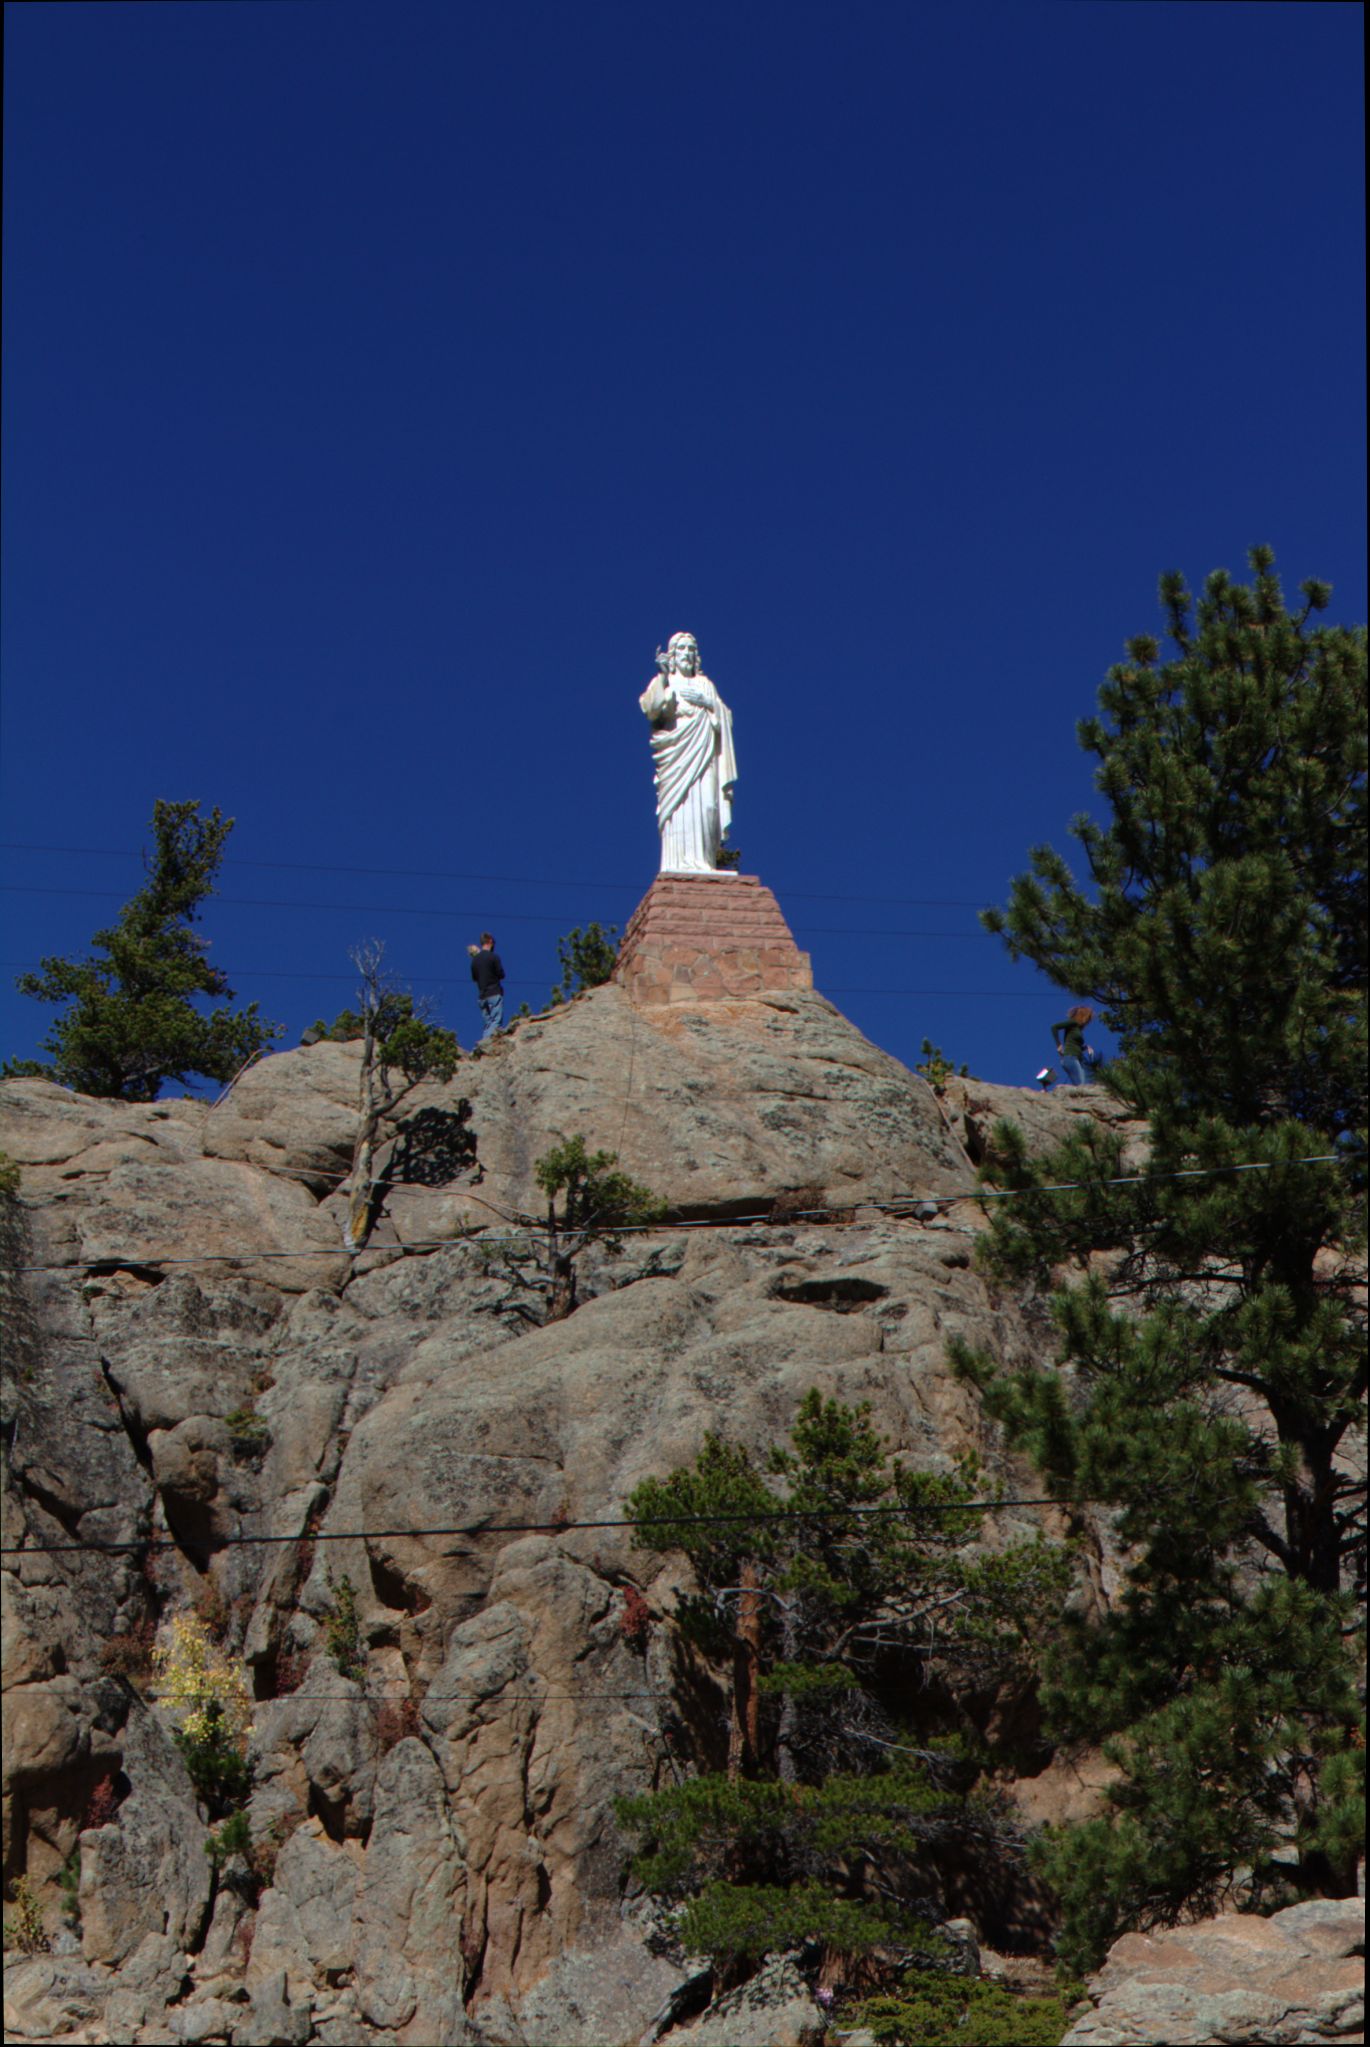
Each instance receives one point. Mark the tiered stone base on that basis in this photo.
(708, 938)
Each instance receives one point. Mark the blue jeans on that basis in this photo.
(1073, 1070)
(492, 1009)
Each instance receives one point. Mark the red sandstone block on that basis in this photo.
(743, 920)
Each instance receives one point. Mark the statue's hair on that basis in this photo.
(675, 641)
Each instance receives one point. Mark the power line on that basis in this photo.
(246, 974)
(760, 1517)
(372, 1699)
(836, 1217)
(421, 910)
(514, 880)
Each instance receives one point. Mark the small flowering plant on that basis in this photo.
(207, 1695)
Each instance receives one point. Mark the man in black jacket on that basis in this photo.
(488, 975)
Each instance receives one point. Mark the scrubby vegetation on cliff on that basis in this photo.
(844, 1593)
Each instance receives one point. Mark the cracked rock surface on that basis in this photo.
(196, 1358)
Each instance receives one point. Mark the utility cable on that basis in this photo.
(373, 1699)
(838, 1216)
(759, 1517)
(422, 910)
(249, 974)
(449, 874)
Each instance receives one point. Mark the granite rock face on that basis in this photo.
(1290, 1980)
(202, 1361)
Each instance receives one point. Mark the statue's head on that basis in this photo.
(683, 651)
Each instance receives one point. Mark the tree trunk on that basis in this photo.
(744, 1730)
(364, 1151)
(1310, 1503)
(561, 1255)
(786, 1768)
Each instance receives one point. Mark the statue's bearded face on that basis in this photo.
(685, 654)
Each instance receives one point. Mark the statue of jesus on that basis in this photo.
(692, 753)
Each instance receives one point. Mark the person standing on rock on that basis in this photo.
(1068, 1037)
(488, 975)
(692, 755)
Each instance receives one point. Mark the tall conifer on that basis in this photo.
(1210, 1373)
(142, 1014)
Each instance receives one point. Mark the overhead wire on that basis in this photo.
(451, 874)
(837, 1216)
(460, 980)
(758, 1517)
(425, 910)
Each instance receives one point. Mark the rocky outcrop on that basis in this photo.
(206, 1365)
(1291, 1980)
(1044, 1118)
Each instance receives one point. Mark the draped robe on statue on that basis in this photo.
(692, 753)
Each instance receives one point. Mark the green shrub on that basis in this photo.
(936, 1068)
(234, 1837)
(342, 1631)
(24, 1928)
(586, 958)
(959, 2011)
(69, 1884)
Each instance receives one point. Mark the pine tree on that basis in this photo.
(1211, 1362)
(586, 958)
(840, 1593)
(135, 1020)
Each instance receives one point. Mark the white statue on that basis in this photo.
(692, 753)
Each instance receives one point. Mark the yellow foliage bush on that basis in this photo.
(204, 1688)
(208, 1696)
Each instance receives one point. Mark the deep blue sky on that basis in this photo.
(384, 383)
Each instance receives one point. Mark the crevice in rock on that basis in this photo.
(191, 1528)
(842, 1295)
(744, 1207)
(132, 1427)
(331, 1813)
(394, 1591)
(68, 1518)
(473, 1943)
(685, 2002)
(108, 1268)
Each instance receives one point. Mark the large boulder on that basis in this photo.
(408, 1958)
(723, 1108)
(146, 1872)
(1286, 1981)
(295, 1113)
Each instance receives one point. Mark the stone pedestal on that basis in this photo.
(708, 938)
